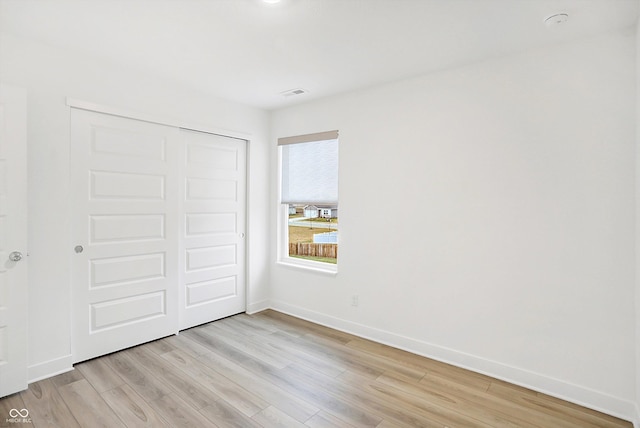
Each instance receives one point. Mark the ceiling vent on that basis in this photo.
(292, 92)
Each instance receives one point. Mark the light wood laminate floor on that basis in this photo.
(273, 370)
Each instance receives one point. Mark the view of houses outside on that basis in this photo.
(313, 232)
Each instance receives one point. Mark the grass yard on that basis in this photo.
(305, 234)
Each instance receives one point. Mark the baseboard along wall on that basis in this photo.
(582, 396)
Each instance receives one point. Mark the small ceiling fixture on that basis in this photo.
(557, 19)
(292, 92)
(271, 1)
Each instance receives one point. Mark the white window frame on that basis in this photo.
(283, 258)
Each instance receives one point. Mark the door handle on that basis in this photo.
(15, 256)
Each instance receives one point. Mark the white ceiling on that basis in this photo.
(248, 51)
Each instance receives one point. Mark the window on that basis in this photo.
(309, 200)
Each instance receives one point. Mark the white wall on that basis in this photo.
(51, 75)
(511, 246)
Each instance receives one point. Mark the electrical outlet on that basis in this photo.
(354, 300)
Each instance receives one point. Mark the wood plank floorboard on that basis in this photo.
(87, 407)
(46, 406)
(273, 370)
(132, 409)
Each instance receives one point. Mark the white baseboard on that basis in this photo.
(555, 387)
(50, 368)
(255, 307)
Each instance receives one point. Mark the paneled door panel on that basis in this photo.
(13, 240)
(212, 241)
(125, 242)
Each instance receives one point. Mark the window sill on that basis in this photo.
(309, 266)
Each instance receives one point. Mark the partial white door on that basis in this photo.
(125, 240)
(13, 240)
(213, 218)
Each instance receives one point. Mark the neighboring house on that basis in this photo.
(292, 209)
(312, 211)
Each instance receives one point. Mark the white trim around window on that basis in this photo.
(283, 258)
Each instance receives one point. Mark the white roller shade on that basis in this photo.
(309, 171)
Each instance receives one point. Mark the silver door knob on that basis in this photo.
(78, 249)
(15, 256)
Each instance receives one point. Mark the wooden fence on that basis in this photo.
(315, 250)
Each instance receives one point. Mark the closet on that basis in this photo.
(158, 230)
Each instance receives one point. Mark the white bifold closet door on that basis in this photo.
(146, 261)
